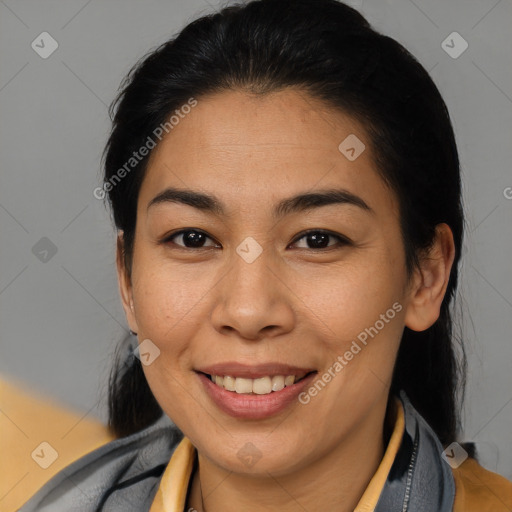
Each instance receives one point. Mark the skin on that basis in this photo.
(295, 304)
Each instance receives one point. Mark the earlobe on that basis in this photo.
(125, 287)
(430, 281)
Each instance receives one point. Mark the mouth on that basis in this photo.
(254, 392)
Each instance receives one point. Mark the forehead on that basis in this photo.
(250, 148)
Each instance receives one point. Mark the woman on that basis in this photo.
(285, 184)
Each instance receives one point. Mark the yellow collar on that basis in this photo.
(172, 492)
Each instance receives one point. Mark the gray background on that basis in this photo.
(60, 319)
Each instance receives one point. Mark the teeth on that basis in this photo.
(260, 386)
(277, 383)
(288, 381)
(241, 385)
(229, 383)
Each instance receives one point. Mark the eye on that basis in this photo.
(314, 239)
(319, 239)
(191, 239)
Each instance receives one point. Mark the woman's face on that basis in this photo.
(246, 293)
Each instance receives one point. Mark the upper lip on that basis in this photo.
(253, 371)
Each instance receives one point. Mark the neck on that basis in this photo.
(334, 481)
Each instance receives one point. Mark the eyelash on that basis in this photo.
(342, 240)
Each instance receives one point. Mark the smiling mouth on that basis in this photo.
(260, 386)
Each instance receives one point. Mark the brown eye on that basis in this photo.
(190, 239)
(318, 239)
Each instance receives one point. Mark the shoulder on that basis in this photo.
(480, 490)
(120, 475)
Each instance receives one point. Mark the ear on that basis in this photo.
(125, 286)
(430, 281)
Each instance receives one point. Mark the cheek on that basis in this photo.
(346, 298)
(358, 311)
(166, 310)
(166, 299)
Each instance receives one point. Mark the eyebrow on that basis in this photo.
(299, 203)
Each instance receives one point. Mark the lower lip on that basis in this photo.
(253, 407)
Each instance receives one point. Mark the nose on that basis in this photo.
(253, 301)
